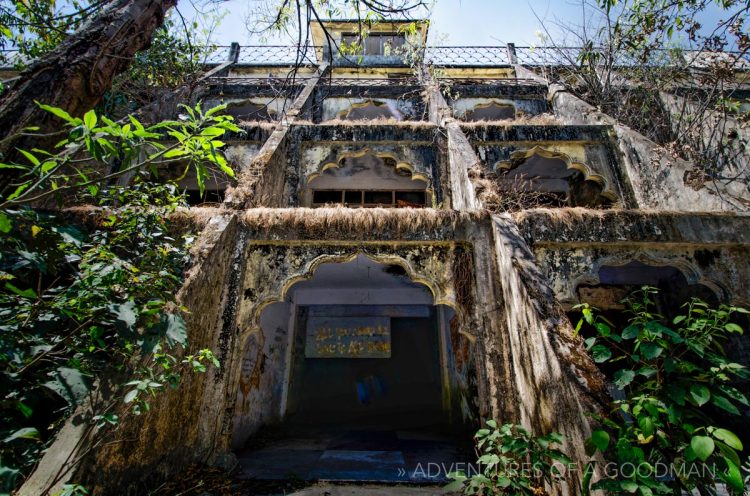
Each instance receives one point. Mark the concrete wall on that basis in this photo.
(523, 106)
(514, 354)
(337, 107)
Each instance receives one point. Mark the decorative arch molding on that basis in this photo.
(378, 104)
(252, 107)
(441, 288)
(500, 105)
(692, 275)
(518, 157)
(400, 165)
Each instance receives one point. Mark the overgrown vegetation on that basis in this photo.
(174, 58)
(668, 431)
(88, 307)
(653, 67)
(512, 461)
(29, 30)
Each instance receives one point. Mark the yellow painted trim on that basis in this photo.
(400, 165)
(375, 103)
(519, 156)
(438, 298)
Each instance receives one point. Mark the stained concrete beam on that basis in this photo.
(256, 180)
(579, 226)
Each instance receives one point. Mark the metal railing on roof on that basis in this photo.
(445, 56)
(469, 56)
(566, 56)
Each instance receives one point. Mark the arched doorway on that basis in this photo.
(365, 393)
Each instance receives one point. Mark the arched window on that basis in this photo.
(368, 180)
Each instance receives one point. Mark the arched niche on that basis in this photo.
(491, 111)
(371, 110)
(615, 279)
(290, 373)
(554, 178)
(368, 179)
(249, 110)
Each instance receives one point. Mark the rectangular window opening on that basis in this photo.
(321, 197)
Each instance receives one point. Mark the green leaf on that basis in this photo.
(5, 223)
(8, 477)
(730, 327)
(630, 332)
(649, 351)
(125, 314)
(600, 439)
(601, 353)
(647, 426)
(57, 111)
(20, 189)
(131, 395)
(729, 438)
(588, 315)
(623, 377)
(176, 330)
(176, 152)
(702, 446)
(25, 433)
(724, 404)
(29, 294)
(48, 166)
(647, 371)
(503, 482)
(89, 119)
(604, 329)
(215, 109)
(69, 383)
(700, 394)
(454, 487)
(733, 476)
(629, 486)
(31, 158)
(734, 394)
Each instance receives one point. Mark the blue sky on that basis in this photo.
(454, 22)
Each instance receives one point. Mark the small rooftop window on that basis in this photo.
(375, 43)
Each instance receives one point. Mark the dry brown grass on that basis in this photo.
(497, 197)
(356, 223)
(568, 217)
(572, 217)
(521, 120)
(265, 125)
(378, 122)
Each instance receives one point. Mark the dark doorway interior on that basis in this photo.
(397, 392)
(368, 370)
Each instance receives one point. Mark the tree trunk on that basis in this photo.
(77, 73)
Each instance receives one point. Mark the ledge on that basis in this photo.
(579, 226)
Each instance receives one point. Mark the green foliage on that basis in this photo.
(91, 302)
(666, 435)
(77, 303)
(512, 461)
(174, 58)
(647, 24)
(35, 28)
(98, 149)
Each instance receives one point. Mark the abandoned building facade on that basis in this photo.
(423, 226)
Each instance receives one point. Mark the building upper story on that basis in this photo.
(370, 115)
